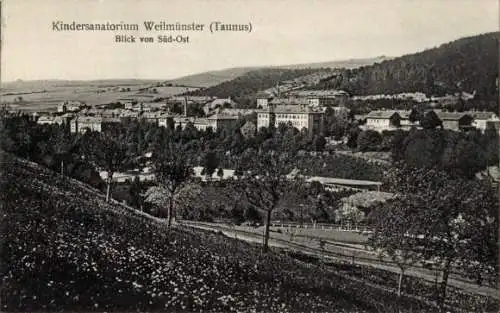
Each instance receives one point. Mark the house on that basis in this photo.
(289, 101)
(481, 119)
(128, 103)
(199, 123)
(235, 112)
(163, 120)
(385, 120)
(455, 120)
(300, 116)
(218, 121)
(494, 125)
(50, 120)
(82, 124)
(151, 117)
(128, 114)
(111, 113)
(322, 97)
(263, 99)
(71, 106)
(62, 107)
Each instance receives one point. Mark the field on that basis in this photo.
(45, 97)
(72, 251)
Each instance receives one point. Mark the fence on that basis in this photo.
(352, 256)
(324, 226)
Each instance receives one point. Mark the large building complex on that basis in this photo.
(299, 116)
(82, 124)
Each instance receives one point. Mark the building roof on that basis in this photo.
(483, 115)
(127, 113)
(290, 101)
(359, 116)
(194, 120)
(190, 98)
(46, 118)
(97, 119)
(293, 109)
(152, 114)
(367, 198)
(342, 181)
(478, 115)
(451, 116)
(263, 95)
(235, 112)
(319, 93)
(218, 116)
(382, 114)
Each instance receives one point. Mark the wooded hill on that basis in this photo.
(243, 89)
(467, 64)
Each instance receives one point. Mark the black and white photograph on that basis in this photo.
(265, 156)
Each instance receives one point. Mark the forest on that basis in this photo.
(467, 64)
(243, 89)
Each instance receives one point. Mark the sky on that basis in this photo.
(283, 32)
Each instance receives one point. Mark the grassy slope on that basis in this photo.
(211, 78)
(63, 248)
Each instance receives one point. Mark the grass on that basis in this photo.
(65, 249)
(48, 100)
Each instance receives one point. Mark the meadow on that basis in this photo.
(46, 97)
(72, 251)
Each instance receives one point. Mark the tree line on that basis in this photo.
(468, 64)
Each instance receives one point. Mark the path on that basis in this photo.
(425, 274)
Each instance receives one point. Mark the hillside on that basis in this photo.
(347, 64)
(65, 249)
(243, 88)
(468, 64)
(211, 78)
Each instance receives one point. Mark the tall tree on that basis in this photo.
(369, 140)
(390, 236)
(319, 142)
(265, 182)
(62, 143)
(220, 173)
(109, 152)
(430, 120)
(173, 171)
(431, 215)
(210, 163)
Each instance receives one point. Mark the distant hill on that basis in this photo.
(212, 78)
(204, 79)
(347, 64)
(50, 84)
(467, 64)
